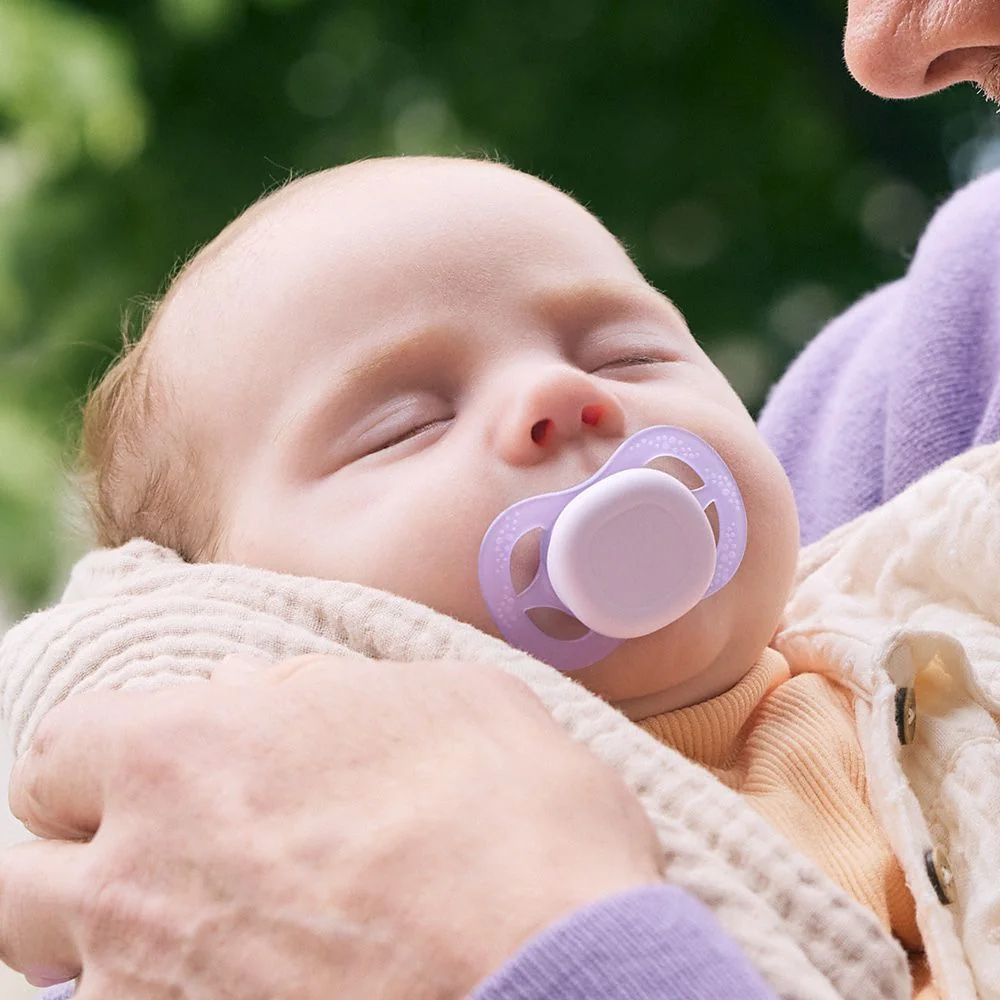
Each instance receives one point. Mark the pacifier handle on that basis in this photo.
(631, 554)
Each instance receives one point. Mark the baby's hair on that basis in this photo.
(138, 470)
(133, 461)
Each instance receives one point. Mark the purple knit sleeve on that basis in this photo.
(646, 944)
(906, 379)
(64, 991)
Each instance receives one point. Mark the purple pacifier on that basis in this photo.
(626, 552)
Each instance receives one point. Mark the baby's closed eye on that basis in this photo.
(417, 430)
(610, 353)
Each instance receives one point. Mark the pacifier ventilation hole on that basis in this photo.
(712, 513)
(687, 476)
(557, 624)
(681, 471)
(524, 560)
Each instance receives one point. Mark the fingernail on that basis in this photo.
(47, 976)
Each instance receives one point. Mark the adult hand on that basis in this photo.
(324, 827)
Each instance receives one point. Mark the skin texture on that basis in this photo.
(907, 48)
(58, 899)
(410, 346)
(373, 363)
(324, 897)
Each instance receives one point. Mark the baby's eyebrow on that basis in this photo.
(584, 303)
(386, 366)
(399, 355)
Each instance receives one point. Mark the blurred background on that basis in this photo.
(723, 140)
(756, 184)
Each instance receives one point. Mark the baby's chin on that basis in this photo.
(690, 661)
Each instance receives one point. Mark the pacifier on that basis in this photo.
(626, 552)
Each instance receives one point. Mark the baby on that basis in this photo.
(362, 371)
(369, 365)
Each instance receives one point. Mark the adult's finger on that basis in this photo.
(58, 786)
(39, 904)
(238, 669)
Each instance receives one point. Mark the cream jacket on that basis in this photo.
(903, 607)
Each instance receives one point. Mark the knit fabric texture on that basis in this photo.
(789, 745)
(646, 944)
(64, 991)
(903, 381)
(907, 599)
(140, 617)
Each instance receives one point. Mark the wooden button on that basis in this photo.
(906, 714)
(939, 872)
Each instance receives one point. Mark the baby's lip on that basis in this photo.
(581, 460)
(589, 460)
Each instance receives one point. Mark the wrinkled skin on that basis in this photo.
(251, 838)
(177, 780)
(907, 48)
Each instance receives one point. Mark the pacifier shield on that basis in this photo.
(625, 552)
(631, 554)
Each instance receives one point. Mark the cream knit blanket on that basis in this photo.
(139, 617)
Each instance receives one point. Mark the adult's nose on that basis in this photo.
(906, 48)
(547, 408)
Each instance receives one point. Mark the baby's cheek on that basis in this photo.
(435, 565)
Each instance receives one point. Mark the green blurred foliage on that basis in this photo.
(722, 140)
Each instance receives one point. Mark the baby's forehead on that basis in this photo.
(321, 191)
(399, 184)
(221, 269)
(223, 275)
(347, 247)
(224, 266)
(240, 237)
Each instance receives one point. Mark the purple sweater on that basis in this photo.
(904, 380)
(900, 383)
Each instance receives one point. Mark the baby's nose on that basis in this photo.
(553, 407)
(542, 430)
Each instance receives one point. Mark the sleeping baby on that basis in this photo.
(446, 380)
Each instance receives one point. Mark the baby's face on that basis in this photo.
(376, 362)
